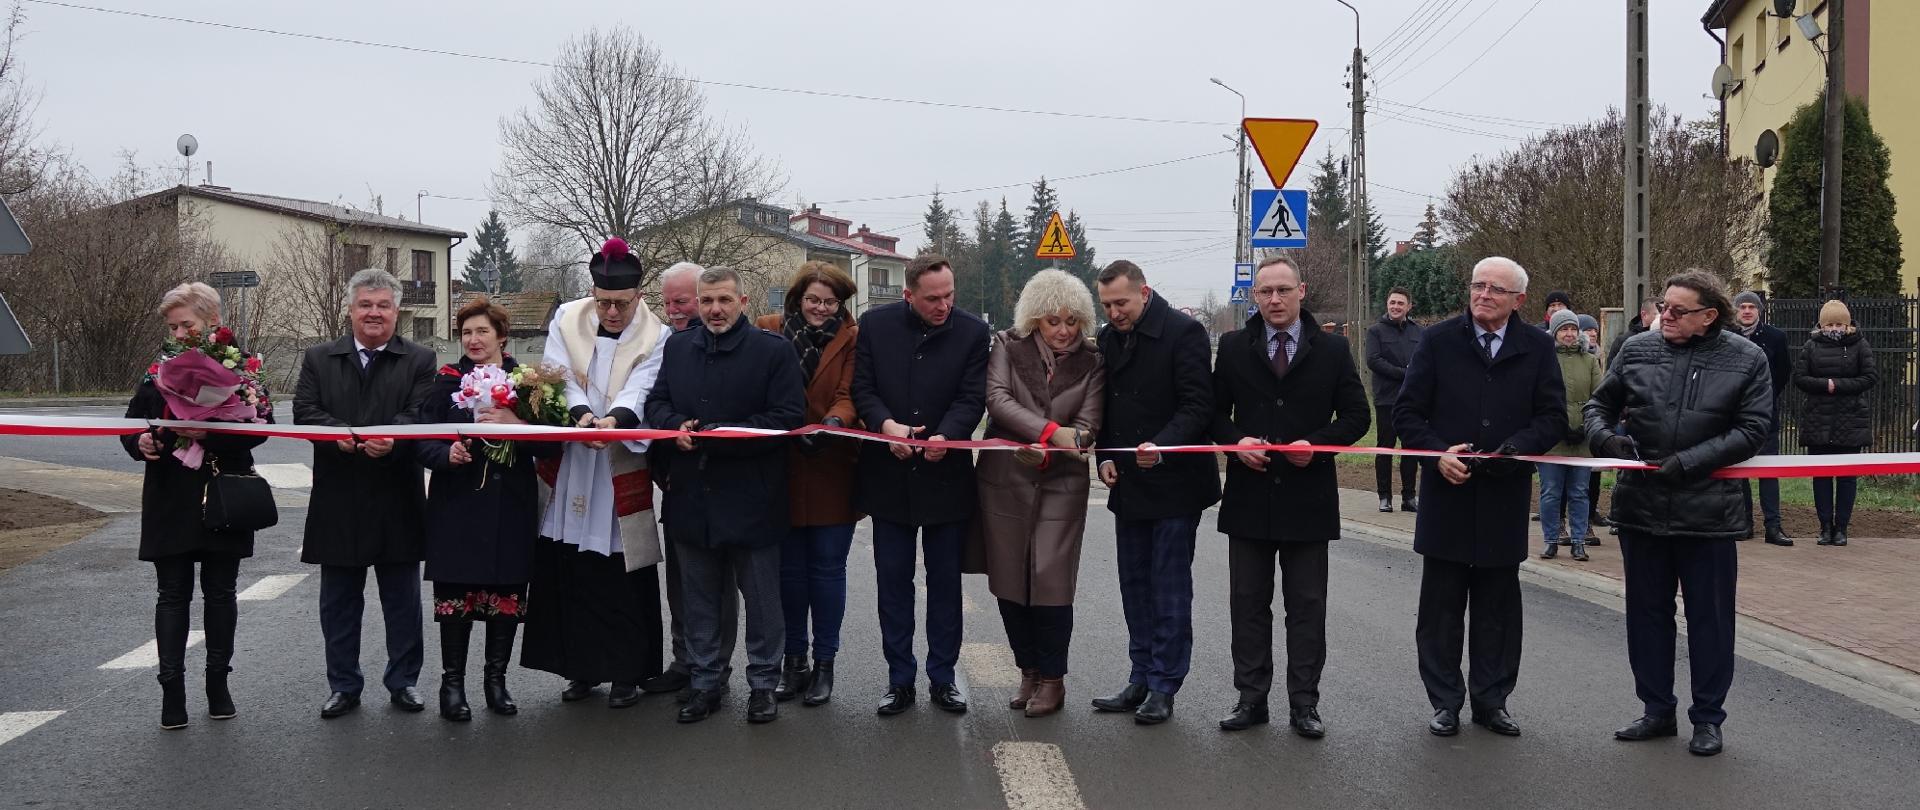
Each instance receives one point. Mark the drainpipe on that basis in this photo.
(448, 287)
(1721, 97)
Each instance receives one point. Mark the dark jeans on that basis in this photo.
(707, 578)
(942, 546)
(1705, 572)
(219, 613)
(677, 622)
(813, 580)
(1383, 465)
(1833, 515)
(1303, 593)
(1769, 487)
(1448, 592)
(1039, 636)
(1156, 596)
(343, 590)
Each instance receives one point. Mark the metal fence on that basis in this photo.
(1892, 327)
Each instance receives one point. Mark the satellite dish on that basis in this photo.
(1766, 151)
(1784, 8)
(1723, 82)
(187, 145)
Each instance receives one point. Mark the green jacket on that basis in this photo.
(1581, 373)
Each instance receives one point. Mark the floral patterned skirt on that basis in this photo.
(453, 601)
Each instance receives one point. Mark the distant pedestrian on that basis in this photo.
(1557, 301)
(1564, 496)
(1590, 329)
(1835, 371)
(1700, 401)
(1390, 345)
(1750, 317)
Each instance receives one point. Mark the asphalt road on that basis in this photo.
(1790, 744)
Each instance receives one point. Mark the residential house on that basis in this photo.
(528, 316)
(879, 271)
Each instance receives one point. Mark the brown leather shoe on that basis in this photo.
(1048, 694)
(1028, 680)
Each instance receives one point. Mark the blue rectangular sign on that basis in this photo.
(1278, 218)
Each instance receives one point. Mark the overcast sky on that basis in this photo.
(332, 121)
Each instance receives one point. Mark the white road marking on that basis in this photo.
(1034, 776)
(14, 724)
(270, 587)
(148, 654)
(286, 476)
(989, 665)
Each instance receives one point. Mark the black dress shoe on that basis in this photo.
(1126, 700)
(899, 699)
(1580, 553)
(407, 700)
(1156, 709)
(1706, 739)
(1826, 536)
(1245, 715)
(578, 690)
(1496, 721)
(1597, 519)
(339, 703)
(762, 707)
(1777, 536)
(1839, 536)
(1410, 505)
(1306, 722)
(794, 675)
(1648, 727)
(672, 680)
(820, 688)
(700, 705)
(1553, 550)
(946, 697)
(622, 695)
(1386, 504)
(1445, 723)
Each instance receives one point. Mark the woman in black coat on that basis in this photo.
(173, 535)
(1835, 371)
(481, 520)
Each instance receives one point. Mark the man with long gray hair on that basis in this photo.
(365, 508)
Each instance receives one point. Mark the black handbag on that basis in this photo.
(237, 502)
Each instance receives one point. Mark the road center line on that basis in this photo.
(286, 476)
(1034, 776)
(148, 654)
(14, 724)
(270, 587)
(989, 665)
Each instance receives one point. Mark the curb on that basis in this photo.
(1843, 663)
(60, 402)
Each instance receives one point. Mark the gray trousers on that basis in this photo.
(707, 579)
(729, 613)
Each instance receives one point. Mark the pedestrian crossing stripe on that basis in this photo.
(1054, 242)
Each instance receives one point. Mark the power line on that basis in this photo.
(1483, 54)
(1028, 182)
(1405, 68)
(1419, 42)
(1373, 184)
(1425, 16)
(1441, 125)
(706, 82)
(1383, 42)
(1480, 117)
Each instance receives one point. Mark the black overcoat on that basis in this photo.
(363, 511)
(919, 376)
(727, 492)
(170, 495)
(482, 516)
(1389, 347)
(1452, 395)
(1159, 390)
(1843, 418)
(1320, 400)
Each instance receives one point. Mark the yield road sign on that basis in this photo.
(1279, 142)
(1054, 242)
(1279, 218)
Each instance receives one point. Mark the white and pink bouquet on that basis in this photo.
(535, 394)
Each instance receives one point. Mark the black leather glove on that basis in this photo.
(1670, 472)
(1618, 446)
(1501, 467)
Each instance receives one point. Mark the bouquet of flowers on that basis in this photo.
(536, 394)
(208, 378)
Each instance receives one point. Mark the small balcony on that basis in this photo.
(883, 291)
(417, 294)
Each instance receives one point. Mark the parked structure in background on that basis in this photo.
(529, 312)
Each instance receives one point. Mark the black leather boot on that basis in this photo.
(454, 635)
(793, 678)
(499, 654)
(170, 641)
(820, 689)
(1839, 539)
(220, 615)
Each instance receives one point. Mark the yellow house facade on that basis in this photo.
(1776, 70)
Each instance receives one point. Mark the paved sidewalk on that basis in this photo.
(1861, 599)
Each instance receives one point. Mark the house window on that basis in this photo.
(1737, 57)
(393, 260)
(1759, 42)
(423, 330)
(423, 266)
(878, 275)
(358, 257)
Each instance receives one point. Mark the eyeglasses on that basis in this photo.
(1671, 311)
(1483, 288)
(829, 303)
(614, 305)
(1271, 293)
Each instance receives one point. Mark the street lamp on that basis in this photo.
(1240, 189)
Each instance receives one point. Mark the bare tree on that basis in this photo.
(305, 277)
(619, 143)
(21, 159)
(553, 259)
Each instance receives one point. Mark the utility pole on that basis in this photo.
(1833, 138)
(1633, 198)
(1241, 188)
(1359, 297)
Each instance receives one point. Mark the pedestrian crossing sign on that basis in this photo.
(1054, 242)
(1279, 218)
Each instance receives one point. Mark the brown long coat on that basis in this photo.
(820, 486)
(1027, 535)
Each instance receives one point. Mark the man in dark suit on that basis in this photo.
(1750, 320)
(726, 506)
(1281, 381)
(367, 499)
(1390, 344)
(1158, 393)
(920, 371)
(1487, 382)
